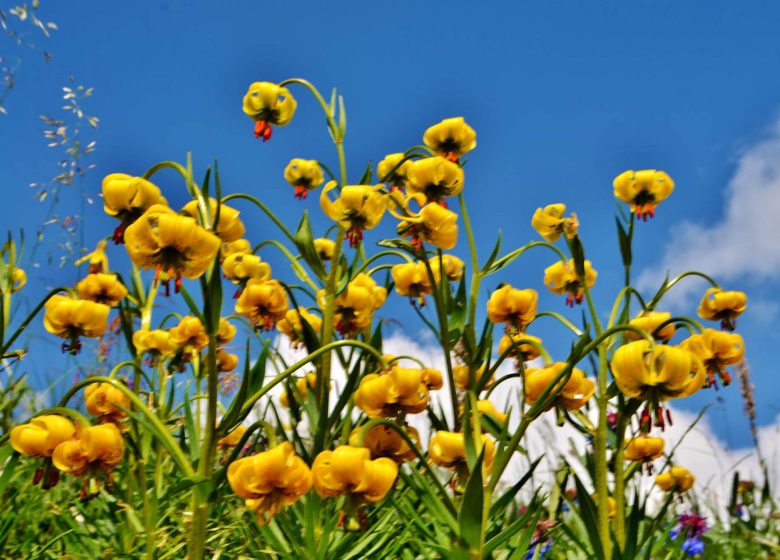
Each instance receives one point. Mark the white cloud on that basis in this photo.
(743, 243)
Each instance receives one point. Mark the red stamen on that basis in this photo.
(570, 300)
(442, 203)
(37, 476)
(119, 235)
(301, 193)
(452, 156)
(262, 128)
(237, 294)
(177, 284)
(83, 493)
(354, 235)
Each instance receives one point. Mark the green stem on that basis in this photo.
(600, 457)
(620, 482)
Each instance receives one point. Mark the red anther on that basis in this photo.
(354, 235)
(570, 300)
(578, 298)
(37, 476)
(442, 203)
(650, 210)
(157, 271)
(301, 193)
(645, 421)
(267, 133)
(669, 416)
(728, 324)
(167, 285)
(177, 284)
(394, 188)
(237, 293)
(726, 377)
(83, 493)
(417, 243)
(452, 156)
(262, 128)
(119, 235)
(659, 418)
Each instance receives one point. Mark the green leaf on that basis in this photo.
(578, 256)
(472, 507)
(625, 243)
(493, 254)
(304, 241)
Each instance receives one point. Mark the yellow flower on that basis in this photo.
(226, 361)
(71, 318)
(325, 248)
(165, 241)
(239, 268)
(304, 175)
(716, 349)
(229, 228)
(412, 280)
(127, 198)
(101, 288)
(383, 395)
(447, 449)
(431, 378)
(156, 342)
(452, 265)
(303, 384)
(487, 408)
(350, 470)
(659, 373)
(18, 279)
(355, 306)
(643, 190)
(270, 480)
(358, 208)
(717, 305)
(571, 395)
(390, 170)
(292, 327)
(95, 447)
(676, 479)
(263, 302)
(434, 224)
(41, 435)
(550, 223)
(225, 331)
(644, 448)
(516, 308)
(436, 178)
(461, 374)
(512, 343)
(189, 336)
(232, 439)
(268, 104)
(238, 246)
(561, 277)
(451, 138)
(106, 402)
(98, 260)
(383, 441)
(649, 321)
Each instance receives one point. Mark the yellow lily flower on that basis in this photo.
(644, 448)
(239, 268)
(190, 336)
(226, 361)
(659, 373)
(571, 395)
(98, 260)
(101, 288)
(717, 305)
(268, 104)
(412, 280)
(460, 373)
(95, 447)
(263, 302)
(516, 348)
(355, 306)
(401, 390)
(157, 343)
(229, 229)
(387, 171)
(358, 208)
(292, 327)
(383, 441)
(232, 439)
(238, 246)
(676, 479)
(550, 223)
(164, 241)
(516, 308)
(270, 480)
(433, 224)
(18, 279)
(350, 470)
(71, 318)
(435, 177)
(304, 175)
(431, 378)
(561, 277)
(451, 138)
(303, 384)
(226, 332)
(325, 248)
(643, 190)
(716, 349)
(487, 408)
(41, 435)
(452, 266)
(103, 401)
(127, 198)
(649, 321)
(448, 450)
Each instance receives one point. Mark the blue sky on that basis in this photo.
(564, 96)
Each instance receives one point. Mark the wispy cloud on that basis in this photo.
(742, 244)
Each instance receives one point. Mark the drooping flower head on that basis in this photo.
(127, 198)
(303, 175)
(433, 224)
(561, 278)
(95, 448)
(676, 479)
(97, 259)
(355, 306)
(435, 177)
(451, 138)
(270, 480)
(302, 385)
(73, 318)
(167, 242)
(448, 450)
(571, 394)
(461, 373)
(40, 436)
(232, 439)
(550, 222)
(384, 441)
(189, 336)
(450, 264)
(358, 208)
(399, 390)
(644, 448)
(292, 325)
(487, 408)
(516, 308)
(717, 305)
(717, 350)
(518, 345)
(226, 362)
(242, 267)
(263, 302)
(649, 321)
(325, 248)
(156, 343)
(101, 288)
(412, 280)
(229, 228)
(268, 104)
(394, 170)
(226, 332)
(350, 470)
(643, 190)
(106, 402)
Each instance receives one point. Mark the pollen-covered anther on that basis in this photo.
(354, 235)
(262, 128)
(301, 192)
(119, 234)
